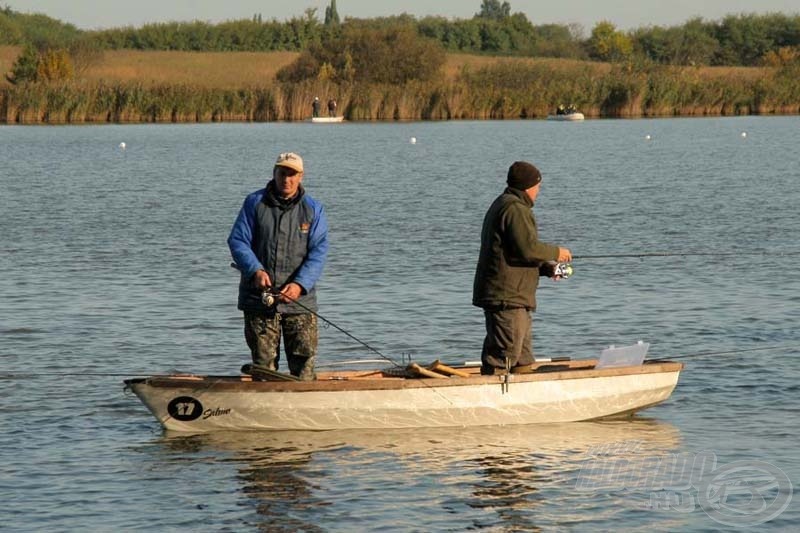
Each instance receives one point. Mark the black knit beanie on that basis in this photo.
(523, 176)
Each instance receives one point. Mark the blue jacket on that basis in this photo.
(288, 241)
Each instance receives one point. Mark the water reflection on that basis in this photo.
(515, 476)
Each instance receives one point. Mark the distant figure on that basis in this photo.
(315, 107)
(561, 110)
(331, 107)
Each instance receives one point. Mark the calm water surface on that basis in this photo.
(114, 263)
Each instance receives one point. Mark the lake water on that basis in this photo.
(114, 264)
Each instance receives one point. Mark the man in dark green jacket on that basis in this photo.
(510, 261)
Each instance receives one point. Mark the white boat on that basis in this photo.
(568, 117)
(326, 120)
(376, 399)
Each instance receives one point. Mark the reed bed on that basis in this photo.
(128, 86)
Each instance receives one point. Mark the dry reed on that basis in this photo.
(136, 86)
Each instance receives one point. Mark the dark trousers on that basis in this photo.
(508, 339)
(300, 338)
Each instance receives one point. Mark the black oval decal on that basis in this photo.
(185, 408)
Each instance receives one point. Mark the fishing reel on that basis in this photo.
(562, 270)
(268, 298)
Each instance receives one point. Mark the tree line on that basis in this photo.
(735, 40)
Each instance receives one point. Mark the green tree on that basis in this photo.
(608, 44)
(38, 30)
(494, 10)
(331, 15)
(25, 67)
(557, 40)
(10, 32)
(393, 55)
(698, 45)
(743, 40)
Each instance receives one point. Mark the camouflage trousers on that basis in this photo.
(300, 338)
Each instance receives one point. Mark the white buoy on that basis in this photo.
(647, 137)
(744, 134)
(413, 140)
(121, 146)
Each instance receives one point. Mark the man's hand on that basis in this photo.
(261, 280)
(290, 293)
(564, 255)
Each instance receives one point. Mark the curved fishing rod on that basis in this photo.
(268, 297)
(266, 294)
(294, 300)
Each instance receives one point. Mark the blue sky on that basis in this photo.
(624, 13)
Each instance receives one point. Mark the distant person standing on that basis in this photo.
(511, 259)
(315, 107)
(332, 107)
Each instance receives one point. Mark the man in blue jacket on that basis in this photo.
(279, 243)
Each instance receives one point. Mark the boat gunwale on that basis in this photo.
(339, 382)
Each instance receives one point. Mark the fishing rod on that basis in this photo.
(269, 298)
(5, 375)
(682, 254)
(329, 322)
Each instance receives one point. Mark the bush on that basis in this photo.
(54, 65)
(47, 65)
(25, 67)
(394, 55)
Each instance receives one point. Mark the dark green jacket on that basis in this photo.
(511, 254)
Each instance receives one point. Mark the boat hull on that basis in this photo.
(571, 117)
(326, 120)
(200, 404)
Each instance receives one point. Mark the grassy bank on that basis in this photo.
(131, 86)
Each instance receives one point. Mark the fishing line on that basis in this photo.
(727, 352)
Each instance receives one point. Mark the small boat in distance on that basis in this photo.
(414, 397)
(326, 120)
(569, 117)
(566, 113)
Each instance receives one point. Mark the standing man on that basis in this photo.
(509, 264)
(332, 107)
(279, 243)
(315, 107)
